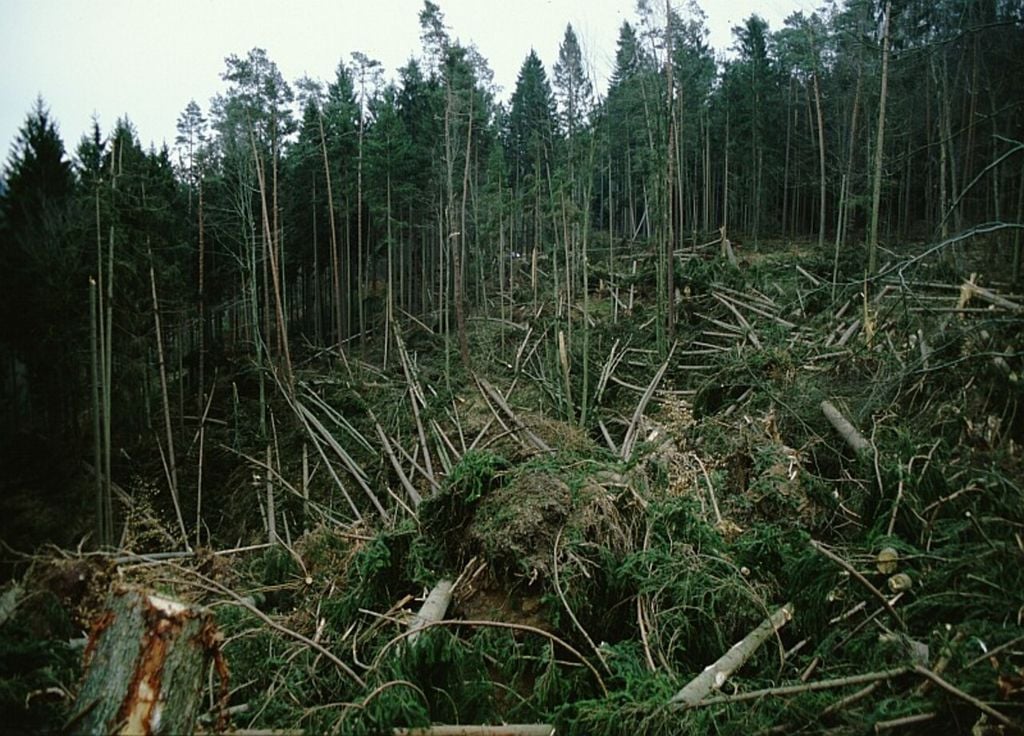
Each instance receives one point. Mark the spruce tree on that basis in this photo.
(43, 289)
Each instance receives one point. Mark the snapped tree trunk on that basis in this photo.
(844, 428)
(714, 675)
(433, 608)
(147, 659)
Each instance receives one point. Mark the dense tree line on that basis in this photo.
(322, 212)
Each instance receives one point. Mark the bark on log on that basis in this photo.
(715, 675)
(433, 608)
(990, 296)
(508, 729)
(846, 430)
(147, 662)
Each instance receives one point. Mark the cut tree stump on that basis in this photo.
(147, 663)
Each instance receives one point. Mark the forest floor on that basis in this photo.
(825, 474)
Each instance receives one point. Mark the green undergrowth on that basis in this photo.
(38, 666)
(627, 563)
(610, 583)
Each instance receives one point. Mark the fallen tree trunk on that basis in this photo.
(147, 663)
(508, 729)
(987, 295)
(494, 395)
(846, 430)
(715, 675)
(433, 609)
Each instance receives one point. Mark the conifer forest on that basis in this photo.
(689, 403)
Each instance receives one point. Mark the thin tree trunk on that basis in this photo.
(714, 675)
(1017, 234)
(613, 286)
(277, 254)
(335, 270)
(390, 306)
(103, 536)
(844, 428)
(943, 152)
(171, 462)
(305, 487)
(839, 233)
(275, 276)
(456, 245)
(108, 370)
(876, 190)
(725, 176)
(361, 268)
(102, 378)
(972, 119)
(272, 538)
(347, 290)
(785, 174)
(318, 316)
(670, 289)
(706, 150)
(201, 392)
(821, 164)
(853, 146)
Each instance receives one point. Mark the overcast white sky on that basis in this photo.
(148, 58)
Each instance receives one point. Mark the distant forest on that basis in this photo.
(291, 215)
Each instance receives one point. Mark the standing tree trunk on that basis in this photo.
(171, 462)
(456, 246)
(107, 337)
(202, 306)
(821, 163)
(335, 271)
(876, 189)
(845, 197)
(270, 239)
(1017, 234)
(389, 307)
(361, 276)
(725, 177)
(845, 214)
(103, 522)
(670, 289)
(785, 169)
(318, 317)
